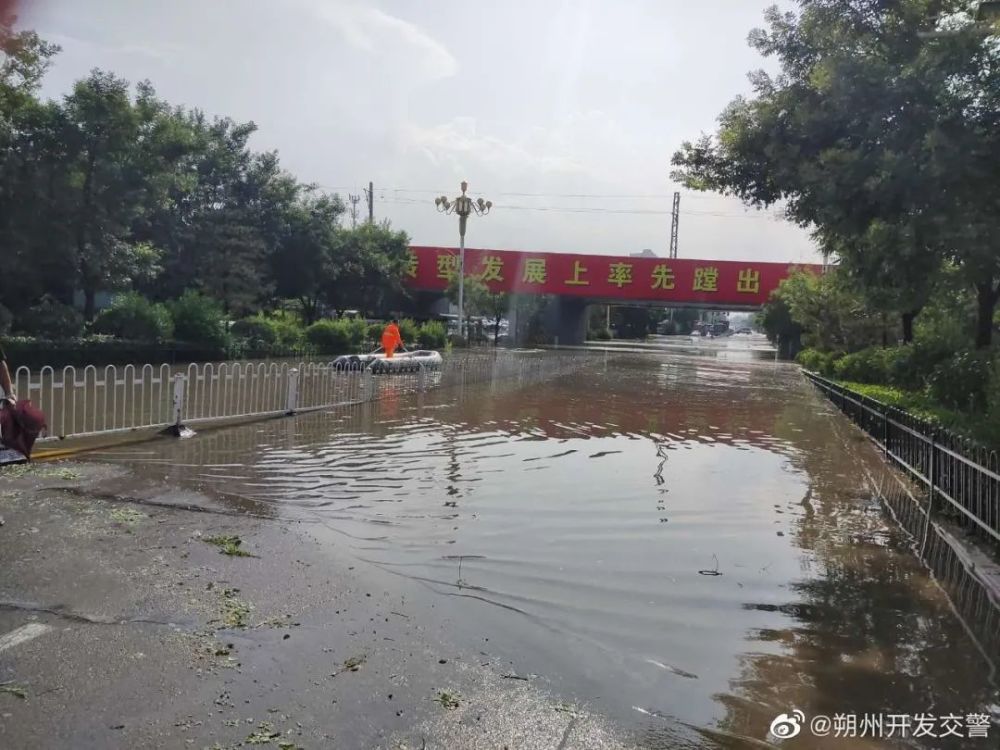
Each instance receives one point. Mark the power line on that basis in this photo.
(602, 196)
(600, 210)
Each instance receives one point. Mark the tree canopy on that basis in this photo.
(880, 133)
(113, 189)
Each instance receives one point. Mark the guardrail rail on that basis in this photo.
(90, 401)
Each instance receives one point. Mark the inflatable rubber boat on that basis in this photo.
(379, 364)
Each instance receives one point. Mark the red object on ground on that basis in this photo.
(20, 426)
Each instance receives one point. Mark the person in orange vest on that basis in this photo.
(391, 339)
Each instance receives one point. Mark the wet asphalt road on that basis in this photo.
(663, 551)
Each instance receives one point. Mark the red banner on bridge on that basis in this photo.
(603, 277)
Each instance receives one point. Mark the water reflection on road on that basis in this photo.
(683, 542)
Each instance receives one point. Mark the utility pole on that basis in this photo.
(370, 194)
(675, 218)
(354, 199)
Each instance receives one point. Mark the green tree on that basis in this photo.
(480, 301)
(106, 187)
(30, 241)
(367, 264)
(832, 314)
(304, 262)
(880, 133)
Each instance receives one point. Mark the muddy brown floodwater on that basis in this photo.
(684, 543)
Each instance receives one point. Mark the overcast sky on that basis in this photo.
(534, 103)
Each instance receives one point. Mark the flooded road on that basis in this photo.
(685, 543)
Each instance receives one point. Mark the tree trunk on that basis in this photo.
(89, 305)
(986, 302)
(908, 318)
(82, 237)
(310, 308)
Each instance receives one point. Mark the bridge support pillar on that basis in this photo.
(566, 318)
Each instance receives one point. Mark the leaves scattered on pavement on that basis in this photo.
(228, 545)
(235, 611)
(352, 664)
(43, 472)
(448, 700)
(263, 735)
(126, 516)
(16, 690)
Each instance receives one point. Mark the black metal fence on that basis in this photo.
(964, 474)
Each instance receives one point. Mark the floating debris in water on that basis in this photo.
(714, 572)
(674, 670)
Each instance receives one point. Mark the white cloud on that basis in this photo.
(374, 31)
(457, 144)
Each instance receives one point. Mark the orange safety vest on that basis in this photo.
(391, 339)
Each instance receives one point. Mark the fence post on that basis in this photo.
(292, 400)
(421, 378)
(930, 493)
(177, 427)
(368, 384)
(885, 431)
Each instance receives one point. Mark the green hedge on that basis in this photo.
(269, 332)
(432, 335)
(337, 336)
(37, 353)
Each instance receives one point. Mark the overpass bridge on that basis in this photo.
(577, 281)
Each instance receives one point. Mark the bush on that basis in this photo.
(603, 334)
(134, 318)
(963, 381)
(373, 335)
(357, 331)
(52, 320)
(288, 329)
(432, 335)
(257, 331)
(456, 341)
(866, 366)
(817, 361)
(198, 320)
(329, 336)
(277, 333)
(409, 330)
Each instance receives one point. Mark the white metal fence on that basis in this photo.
(88, 401)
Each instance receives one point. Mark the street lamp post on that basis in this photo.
(464, 207)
